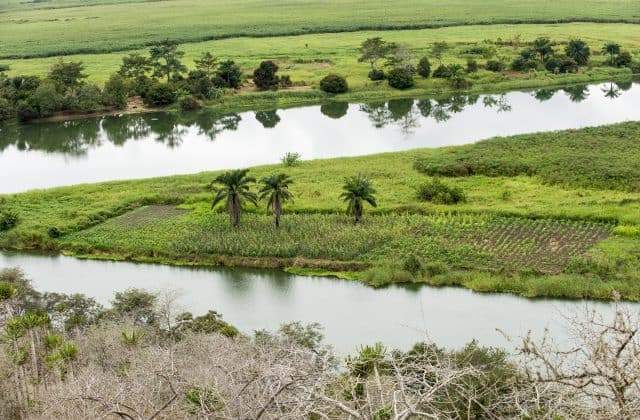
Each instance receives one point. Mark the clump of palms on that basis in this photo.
(612, 49)
(275, 189)
(235, 190)
(358, 190)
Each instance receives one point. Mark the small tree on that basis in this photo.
(115, 92)
(165, 59)
(234, 190)
(400, 78)
(356, 191)
(373, 50)
(207, 64)
(265, 76)
(424, 67)
(134, 66)
(275, 189)
(579, 51)
(542, 46)
(438, 49)
(612, 49)
(334, 83)
(67, 74)
(229, 75)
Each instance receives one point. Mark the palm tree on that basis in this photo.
(235, 190)
(612, 49)
(275, 189)
(578, 50)
(358, 189)
(542, 46)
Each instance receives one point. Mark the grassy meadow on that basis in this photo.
(62, 27)
(516, 232)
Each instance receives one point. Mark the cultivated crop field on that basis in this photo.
(67, 26)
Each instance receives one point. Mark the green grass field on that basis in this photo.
(515, 233)
(68, 26)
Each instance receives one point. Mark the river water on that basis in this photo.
(137, 146)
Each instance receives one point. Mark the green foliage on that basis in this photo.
(290, 159)
(579, 51)
(358, 190)
(561, 64)
(265, 76)
(115, 93)
(424, 67)
(334, 83)
(189, 103)
(373, 50)
(209, 323)
(495, 66)
(7, 109)
(400, 78)
(526, 61)
(67, 75)
(204, 400)
(592, 158)
(8, 219)
(161, 94)
(472, 66)
(442, 72)
(543, 48)
(612, 49)
(165, 60)
(376, 75)
(228, 75)
(234, 190)
(137, 305)
(438, 192)
(370, 359)
(623, 59)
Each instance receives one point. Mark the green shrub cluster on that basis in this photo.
(440, 193)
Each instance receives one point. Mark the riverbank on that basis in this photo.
(524, 233)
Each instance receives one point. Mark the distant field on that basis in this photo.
(69, 26)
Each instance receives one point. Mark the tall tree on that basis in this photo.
(165, 59)
(134, 66)
(275, 189)
(613, 50)
(207, 63)
(542, 46)
(67, 74)
(358, 190)
(234, 189)
(373, 50)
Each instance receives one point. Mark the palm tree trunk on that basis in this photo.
(277, 210)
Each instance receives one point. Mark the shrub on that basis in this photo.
(400, 78)
(8, 219)
(265, 76)
(54, 232)
(635, 67)
(285, 81)
(6, 109)
(495, 66)
(442, 72)
(26, 111)
(115, 93)
(412, 264)
(160, 94)
(290, 159)
(525, 61)
(623, 59)
(189, 103)
(228, 75)
(88, 98)
(424, 67)
(376, 75)
(472, 66)
(200, 84)
(45, 100)
(438, 192)
(334, 83)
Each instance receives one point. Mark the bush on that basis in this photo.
(623, 59)
(524, 63)
(88, 98)
(201, 85)
(635, 67)
(412, 264)
(440, 193)
(228, 75)
(115, 93)
(160, 94)
(45, 100)
(265, 76)
(400, 78)
(6, 109)
(334, 83)
(472, 66)
(8, 219)
(290, 159)
(424, 67)
(285, 81)
(495, 66)
(26, 111)
(376, 75)
(54, 232)
(442, 72)
(561, 64)
(189, 103)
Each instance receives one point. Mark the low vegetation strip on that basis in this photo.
(589, 158)
(29, 32)
(507, 233)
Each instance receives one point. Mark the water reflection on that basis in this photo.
(130, 146)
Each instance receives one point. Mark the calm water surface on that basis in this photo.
(351, 313)
(99, 149)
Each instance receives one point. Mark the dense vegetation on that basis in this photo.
(66, 356)
(512, 232)
(161, 76)
(50, 28)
